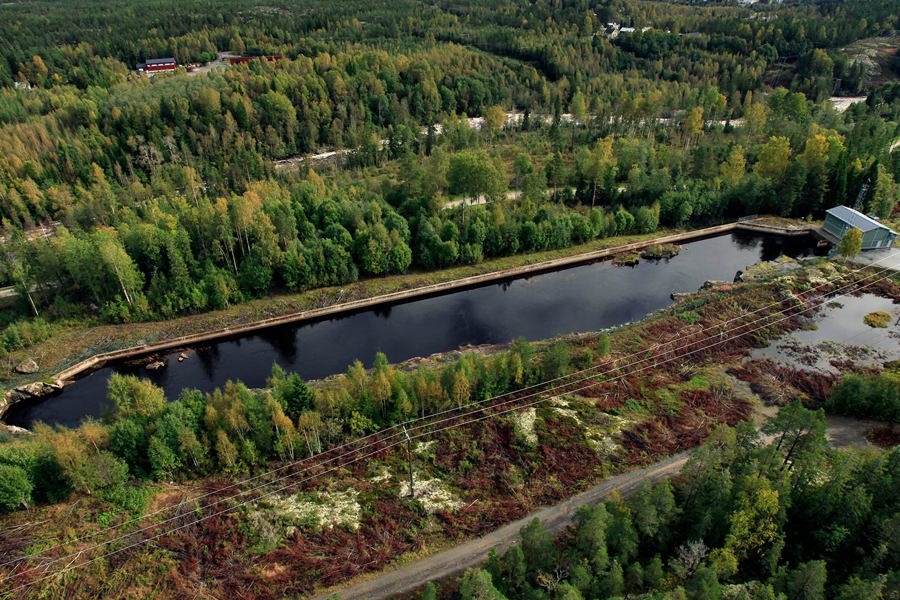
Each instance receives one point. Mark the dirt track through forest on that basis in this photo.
(842, 432)
(555, 518)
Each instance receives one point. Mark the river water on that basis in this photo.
(588, 297)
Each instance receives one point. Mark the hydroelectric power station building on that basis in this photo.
(840, 219)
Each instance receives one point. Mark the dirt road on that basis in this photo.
(556, 519)
(843, 432)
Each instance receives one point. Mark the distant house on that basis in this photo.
(157, 65)
(840, 219)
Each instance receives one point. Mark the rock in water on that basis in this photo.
(712, 283)
(31, 390)
(13, 430)
(154, 366)
(28, 367)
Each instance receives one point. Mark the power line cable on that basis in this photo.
(517, 398)
(381, 450)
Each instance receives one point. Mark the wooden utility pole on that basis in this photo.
(412, 491)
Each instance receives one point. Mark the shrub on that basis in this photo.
(557, 360)
(15, 488)
(690, 316)
(603, 345)
(626, 259)
(659, 251)
(879, 318)
(875, 397)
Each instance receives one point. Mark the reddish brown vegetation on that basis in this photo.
(612, 393)
(777, 384)
(886, 287)
(884, 437)
(701, 412)
(212, 555)
(566, 457)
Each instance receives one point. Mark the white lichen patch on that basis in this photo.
(524, 423)
(821, 275)
(383, 475)
(603, 444)
(567, 412)
(424, 447)
(432, 494)
(313, 511)
(604, 438)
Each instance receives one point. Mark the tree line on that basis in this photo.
(236, 430)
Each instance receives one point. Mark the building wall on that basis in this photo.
(876, 238)
(835, 226)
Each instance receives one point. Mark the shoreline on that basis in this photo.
(98, 361)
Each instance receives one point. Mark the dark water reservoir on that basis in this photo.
(583, 298)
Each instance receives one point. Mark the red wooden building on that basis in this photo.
(157, 65)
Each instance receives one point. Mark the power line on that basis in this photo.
(517, 398)
(381, 450)
(352, 461)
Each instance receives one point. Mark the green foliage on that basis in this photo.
(739, 523)
(805, 582)
(429, 592)
(590, 537)
(476, 584)
(291, 392)
(689, 316)
(22, 334)
(851, 243)
(15, 488)
(557, 360)
(856, 588)
(603, 344)
(237, 430)
(538, 548)
(873, 397)
(134, 397)
(170, 201)
(130, 498)
(473, 173)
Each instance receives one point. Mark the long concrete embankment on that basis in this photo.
(100, 360)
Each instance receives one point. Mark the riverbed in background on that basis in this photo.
(587, 297)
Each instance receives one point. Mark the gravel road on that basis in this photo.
(842, 432)
(556, 519)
